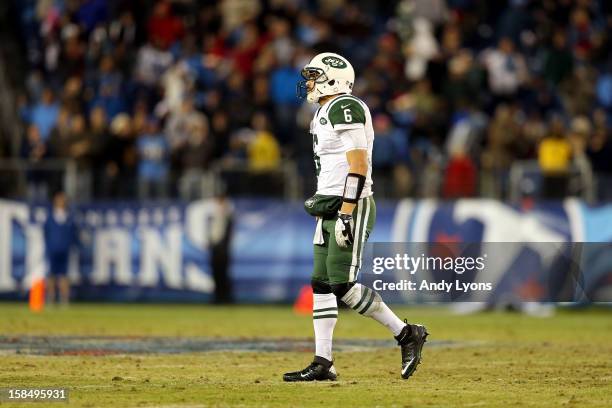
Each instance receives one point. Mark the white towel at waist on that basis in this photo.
(318, 235)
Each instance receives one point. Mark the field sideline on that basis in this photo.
(497, 359)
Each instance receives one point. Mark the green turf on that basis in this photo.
(563, 361)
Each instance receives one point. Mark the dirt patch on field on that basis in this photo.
(103, 345)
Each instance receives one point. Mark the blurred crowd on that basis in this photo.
(148, 96)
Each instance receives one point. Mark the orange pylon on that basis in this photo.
(37, 295)
(303, 302)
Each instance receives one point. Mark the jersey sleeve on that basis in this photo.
(346, 114)
(353, 139)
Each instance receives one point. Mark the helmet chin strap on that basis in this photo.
(314, 96)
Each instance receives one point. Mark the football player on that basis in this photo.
(345, 212)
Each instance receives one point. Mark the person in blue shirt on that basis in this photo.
(60, 237)
(285, 103)
(391, 157)
(44, 114)
(153, 165)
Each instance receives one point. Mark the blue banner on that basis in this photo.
(159, 252)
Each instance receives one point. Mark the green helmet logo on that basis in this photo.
(323, 121)
(334, 62)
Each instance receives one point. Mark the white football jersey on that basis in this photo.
(345, 112)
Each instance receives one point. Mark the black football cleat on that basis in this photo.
(320, 369)
(411, 340)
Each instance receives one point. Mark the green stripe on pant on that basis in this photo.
(361, 237)
(330, 316)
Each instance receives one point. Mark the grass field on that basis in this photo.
(496, 359)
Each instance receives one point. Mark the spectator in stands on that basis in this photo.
(579, 137)
(258, 148)
(44, 114)
(281, 89)
(179, 123)
(73, 50)
(281, 42)
(263, 149)
(250, 43)
(220, 133)
(435, 11)
(460, 177)
(73, 95)
(140, 118)
(236, 12)
(237, 96)
(119, 159)
(554, 156)
(467, 131)
(79, 145)
(193, 158)
(581, 33)
(463, 81)
(390, 158)
(91, 13)
(558, 61)
(59, 140)
(79, 141)
(580, 133)
(236, 155)
(496, 158)
(261, 96)
(507, 69)
(151, 63)
(34, 150)
(109, 88)
(599, 151)
(177, 84)
(99, 138)
(238, 57)
(422, 47)
(578, 91)
(153, 166)
(122, 30)
(425, 106)
(604, 90)
(60, 238)
(515, 20)
(163, 27)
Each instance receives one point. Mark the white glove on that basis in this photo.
(344, 230)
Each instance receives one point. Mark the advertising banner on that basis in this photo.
(160, 252)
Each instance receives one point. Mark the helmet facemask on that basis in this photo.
(318, 76)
